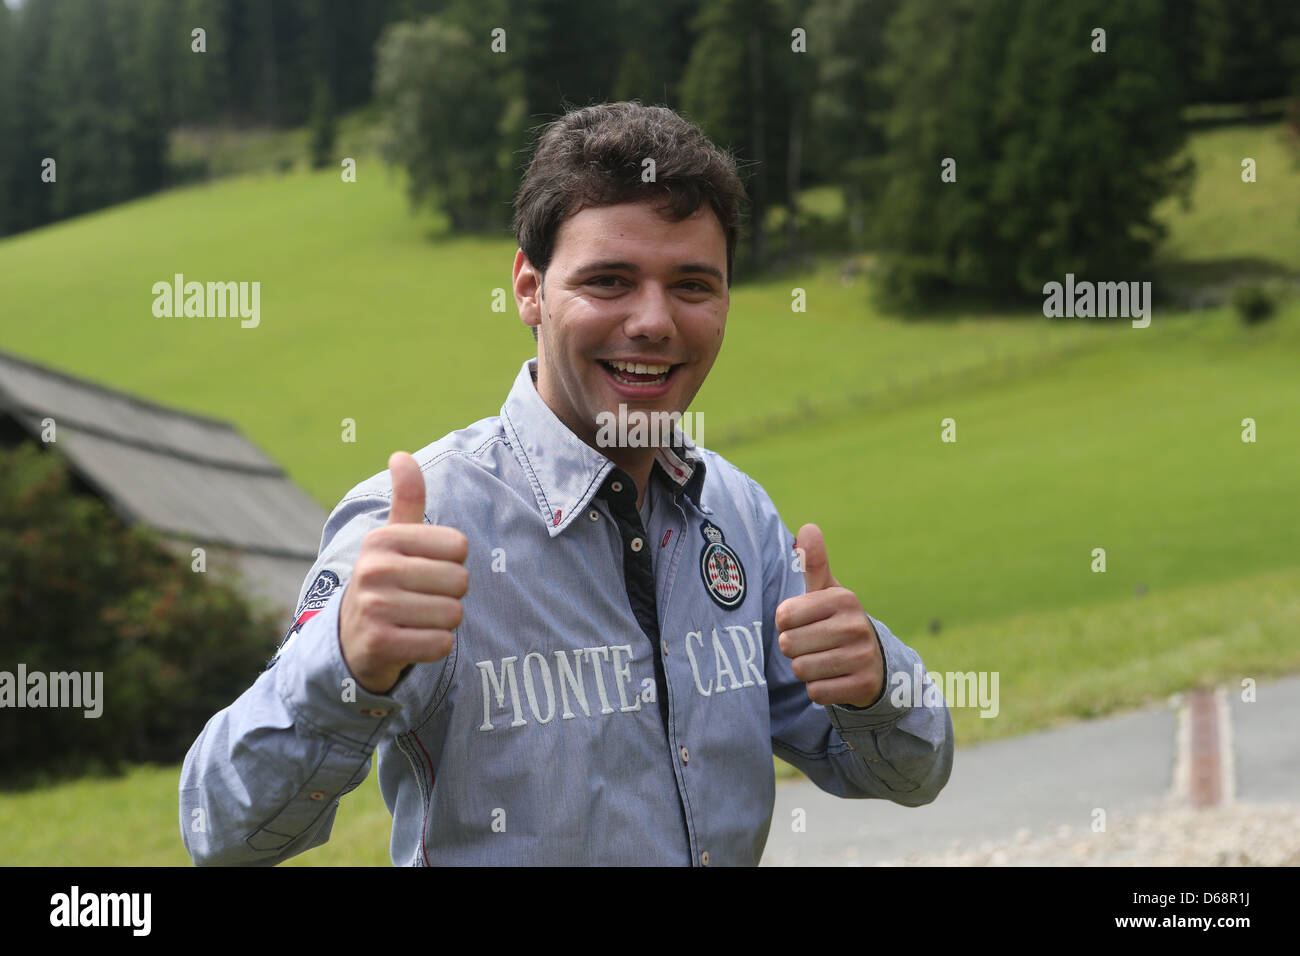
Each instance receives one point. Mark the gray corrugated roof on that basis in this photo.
(196, 479)
(96, 408)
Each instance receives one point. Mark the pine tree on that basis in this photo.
(90, 120)
(1061, 151)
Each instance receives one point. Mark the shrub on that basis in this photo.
(1254, 303)
(81, 591)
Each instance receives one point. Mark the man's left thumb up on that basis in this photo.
(816, 567)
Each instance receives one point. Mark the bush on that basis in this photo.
(81, 591)
(1254, 303)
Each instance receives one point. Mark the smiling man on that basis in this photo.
(566, 651)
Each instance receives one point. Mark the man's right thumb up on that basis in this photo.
(408, 490)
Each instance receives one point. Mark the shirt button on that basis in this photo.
(593, 515)
(686, 754)
(704, 858)
(616, 486)
(636, 544)
(317, 795)
(378, 713)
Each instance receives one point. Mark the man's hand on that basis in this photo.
(403, 599)
(827, 635)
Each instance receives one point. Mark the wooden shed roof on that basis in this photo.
(198, 481)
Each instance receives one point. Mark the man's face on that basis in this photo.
(626, 287)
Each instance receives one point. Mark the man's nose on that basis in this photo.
(652, 314)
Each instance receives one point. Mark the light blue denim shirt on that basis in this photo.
(614, 696)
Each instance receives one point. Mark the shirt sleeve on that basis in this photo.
(263, 780)
(903, 754)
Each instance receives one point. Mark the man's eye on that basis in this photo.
(612, 282)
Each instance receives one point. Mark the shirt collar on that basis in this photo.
(563, 470)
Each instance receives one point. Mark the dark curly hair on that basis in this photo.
(593, 156)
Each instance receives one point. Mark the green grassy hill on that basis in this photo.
(1071, 435)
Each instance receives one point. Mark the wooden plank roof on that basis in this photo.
(197, 480)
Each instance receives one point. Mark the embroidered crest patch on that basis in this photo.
(318, 595)
(723, 574)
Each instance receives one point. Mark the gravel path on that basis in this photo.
(1242, 834)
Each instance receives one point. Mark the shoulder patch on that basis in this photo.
(318, 595)
(720, 569)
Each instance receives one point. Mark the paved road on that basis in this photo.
(1266, 742)
(1039, 782)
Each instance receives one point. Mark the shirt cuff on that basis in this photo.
(883, 711)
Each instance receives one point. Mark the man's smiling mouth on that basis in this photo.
(641, 374)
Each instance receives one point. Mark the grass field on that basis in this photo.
(1071, 436)
(1230, 220)
(1134, 447)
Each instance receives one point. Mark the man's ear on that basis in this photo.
(529, 288)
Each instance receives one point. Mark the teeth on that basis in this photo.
(640, 368)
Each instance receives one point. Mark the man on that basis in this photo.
(568, 651)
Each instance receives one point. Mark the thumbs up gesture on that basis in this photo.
(403, 599)
(827, 635)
